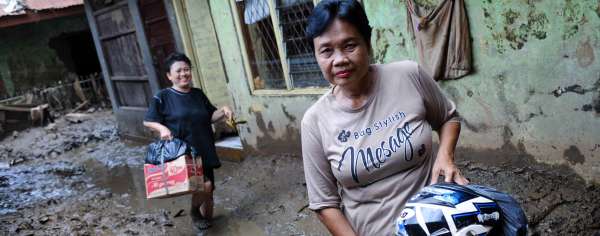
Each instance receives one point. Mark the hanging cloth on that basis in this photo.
(255, 11)
(442, 38)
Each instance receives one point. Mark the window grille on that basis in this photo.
(293, 18)
(278, 54)
(261, 44)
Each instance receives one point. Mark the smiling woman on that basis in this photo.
(180, 73)
(367, 143)
(184, 112)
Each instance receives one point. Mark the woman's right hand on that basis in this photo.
(335, 221)
(163, 131)
(165, 134)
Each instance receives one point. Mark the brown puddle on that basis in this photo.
(128, 181)
(81, 179)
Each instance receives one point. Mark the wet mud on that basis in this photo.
(72, 178)
(555, 199)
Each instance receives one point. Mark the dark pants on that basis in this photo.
(209, 175)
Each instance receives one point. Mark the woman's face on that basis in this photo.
(342, 54)
(180, 74)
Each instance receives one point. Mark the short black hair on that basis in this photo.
(327, 11)
(175, 57)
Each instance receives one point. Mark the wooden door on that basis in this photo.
(160, 36)
(126, 61)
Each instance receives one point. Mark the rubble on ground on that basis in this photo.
(80, 178)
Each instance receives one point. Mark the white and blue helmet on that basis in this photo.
(449, 210)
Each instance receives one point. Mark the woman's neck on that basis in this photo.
(180, 89)
(358, 90)
(356, 95)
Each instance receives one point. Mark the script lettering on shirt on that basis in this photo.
(375, 157)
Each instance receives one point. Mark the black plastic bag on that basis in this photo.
(514, 221)
(163, 151)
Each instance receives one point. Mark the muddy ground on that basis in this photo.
(72, 178)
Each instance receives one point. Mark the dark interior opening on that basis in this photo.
(77, 51)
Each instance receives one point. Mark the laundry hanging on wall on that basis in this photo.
(255, 11)
(442, 38)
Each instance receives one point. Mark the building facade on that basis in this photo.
(535, 88)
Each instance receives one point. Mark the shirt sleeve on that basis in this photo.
(439, 109)
(320, 182)
(209, 106)
(154, 113)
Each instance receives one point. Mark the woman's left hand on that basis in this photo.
(227, 112)
(444, 165)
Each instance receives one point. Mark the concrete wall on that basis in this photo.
(523, 52)
(536, 84)
(273, 121)
(27, 60)
(209, 65)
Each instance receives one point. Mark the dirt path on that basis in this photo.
(81, 179)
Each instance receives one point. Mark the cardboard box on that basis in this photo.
(175, 178)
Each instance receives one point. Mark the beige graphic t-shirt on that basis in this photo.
(369, 161)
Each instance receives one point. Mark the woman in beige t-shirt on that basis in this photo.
(366, 143)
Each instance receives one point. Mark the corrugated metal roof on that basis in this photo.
(40, 5)
(51, 4)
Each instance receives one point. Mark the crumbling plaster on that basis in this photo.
(535, 82)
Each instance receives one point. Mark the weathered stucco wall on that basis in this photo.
(536, 84)
(273, 121)
(206, 51)
(535, 87)
(26, 58)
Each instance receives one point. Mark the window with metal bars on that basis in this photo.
(278, 55)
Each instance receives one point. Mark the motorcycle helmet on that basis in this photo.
(448, 209)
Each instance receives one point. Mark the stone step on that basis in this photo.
(230, 149)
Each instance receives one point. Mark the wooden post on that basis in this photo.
(172, 17)
(143, 44)
(101, 57)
